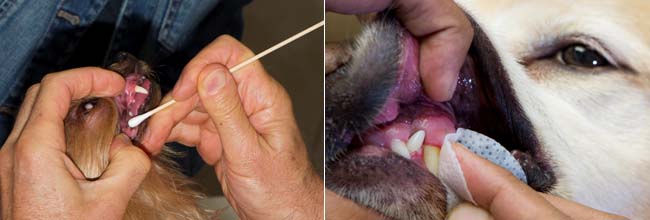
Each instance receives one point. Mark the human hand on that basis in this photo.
(505, 197)
(442, 28)
(243, 125)
(39, 181)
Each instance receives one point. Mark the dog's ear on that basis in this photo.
(89, 130)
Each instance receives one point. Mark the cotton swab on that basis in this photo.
(135, 121)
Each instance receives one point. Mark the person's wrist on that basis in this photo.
(306, 200)
(301, 198)
(315, 197)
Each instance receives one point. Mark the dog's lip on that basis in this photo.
(408, 84)
(476, 107)
(408, 110)
(408, 93)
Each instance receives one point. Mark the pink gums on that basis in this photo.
(130, 103)
(408, 110)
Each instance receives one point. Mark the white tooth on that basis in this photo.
(415, 141)
(431, 157)
(139, 89)
(399, 147)
(131, 114)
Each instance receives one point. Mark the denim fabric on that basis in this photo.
(39, 37)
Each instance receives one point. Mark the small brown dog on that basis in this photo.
(91, 125)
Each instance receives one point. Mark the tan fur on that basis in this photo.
(165, 193)
(88, 139)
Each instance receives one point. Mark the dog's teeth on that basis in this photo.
(139, 89)
(131, 114)
(399, 147)
(415, 141)
(431, 156)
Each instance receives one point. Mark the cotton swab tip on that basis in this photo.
(135, 121)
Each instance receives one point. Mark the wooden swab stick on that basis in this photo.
(135, 121)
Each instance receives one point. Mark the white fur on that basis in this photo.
(595, 127)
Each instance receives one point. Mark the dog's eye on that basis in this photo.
(582, 56)
(87, 106)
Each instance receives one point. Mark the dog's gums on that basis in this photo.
(93, 122)
(383, 134)
(132, 101)
(139, 93)
(409, 119)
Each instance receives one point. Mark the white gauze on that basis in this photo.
(450, 172)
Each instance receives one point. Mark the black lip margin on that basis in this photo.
(350, 110)
(514, 130)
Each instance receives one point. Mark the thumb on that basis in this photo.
(128, 166)
(495, 189)
(219, 96)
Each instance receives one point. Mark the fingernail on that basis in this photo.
(452, 89)
(467, 211)
(214, 81)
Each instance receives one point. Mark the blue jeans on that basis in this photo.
(40, 37)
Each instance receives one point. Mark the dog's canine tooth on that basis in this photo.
(431, 156)
(415, 141)
(399, 147)
(139, 89)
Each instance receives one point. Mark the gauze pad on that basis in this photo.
(449, 168)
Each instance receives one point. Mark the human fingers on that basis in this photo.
(356, 7)
(161, 125)
(23, 114)
(445, 35)
(45, 123)
(495, 189)
(128, 166)
(224, 50)
(577, 211)
(468, 211)
(220, 98)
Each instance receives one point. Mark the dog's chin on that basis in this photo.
(363, 156)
